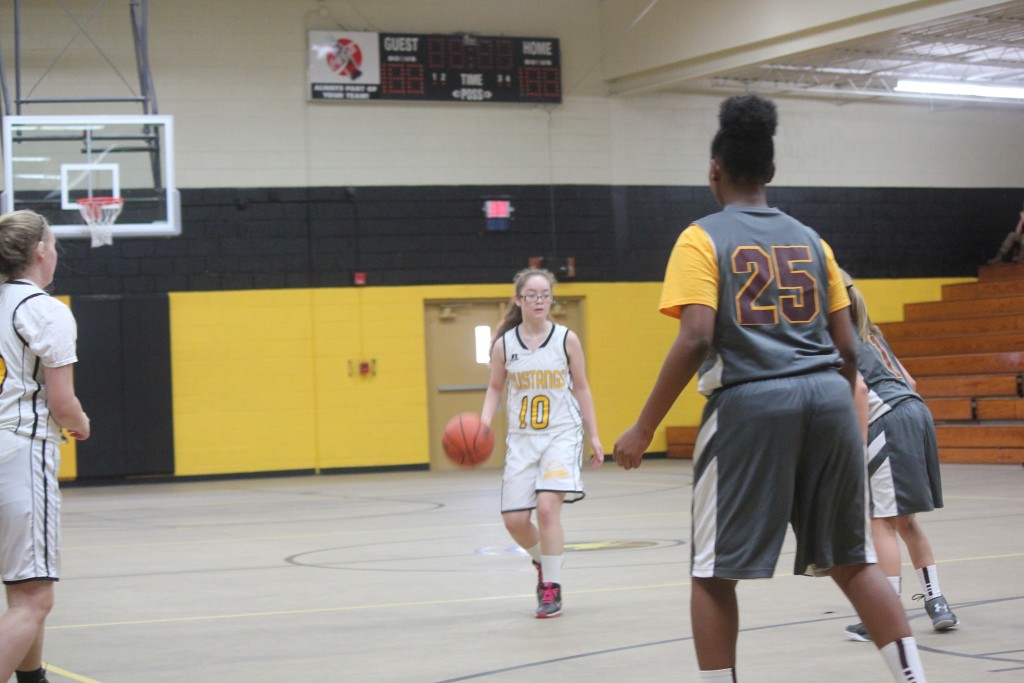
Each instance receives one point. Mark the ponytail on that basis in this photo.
(862, 324)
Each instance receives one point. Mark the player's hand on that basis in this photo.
(630, 447)
(81, 434)
(597, 459)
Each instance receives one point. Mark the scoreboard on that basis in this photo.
(353, 66)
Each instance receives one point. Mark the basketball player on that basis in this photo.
(37, 398)
(903, 466)
(549, 406)
(762, 317)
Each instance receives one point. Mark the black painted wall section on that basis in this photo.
(99, 383)
(123, 378)
(318, 237)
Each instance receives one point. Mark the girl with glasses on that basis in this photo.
(549, 404)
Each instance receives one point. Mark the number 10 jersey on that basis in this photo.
(539, 385)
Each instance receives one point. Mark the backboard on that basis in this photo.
(52, 161)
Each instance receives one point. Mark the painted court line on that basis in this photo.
(50, 668)
(423, 603)
(347, 608)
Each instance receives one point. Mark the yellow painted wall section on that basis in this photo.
(627, 339)
(68, 452)
(242, 373)
(68, 461)
(378, 419)
(269, 380)
(382, 419)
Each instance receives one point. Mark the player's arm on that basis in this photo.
(840, 328)
(496, 384)
(689, 293)
(688, 351)
(907, 377)
(860, 402)
(840, 321)
(581, 390)
(62, 401)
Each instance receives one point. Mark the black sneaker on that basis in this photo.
(857, 632)
(540, 580)
(943, 618)
(37, 676)
(550, 601)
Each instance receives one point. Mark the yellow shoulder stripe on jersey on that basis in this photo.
(692, 273)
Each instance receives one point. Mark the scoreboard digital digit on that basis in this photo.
(352, 66)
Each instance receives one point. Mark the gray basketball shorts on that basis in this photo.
(29, 509)
(773, 452)
(903, 462)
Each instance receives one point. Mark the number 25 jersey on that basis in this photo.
(539, 385)
(773, 283)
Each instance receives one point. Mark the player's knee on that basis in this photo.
(543, 518)
(844, 574)
(884, 525)
(907, 524)
(34, 605)
(713, 585)
(38, 611)
(516, 523)
(549, 512)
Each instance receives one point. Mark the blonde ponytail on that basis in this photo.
(859, 310)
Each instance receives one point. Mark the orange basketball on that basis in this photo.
(466, 441)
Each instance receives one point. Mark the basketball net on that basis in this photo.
(99, 214)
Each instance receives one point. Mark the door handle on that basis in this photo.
(462, 387)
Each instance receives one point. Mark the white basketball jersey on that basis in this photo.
(540, 396)
(35, 330)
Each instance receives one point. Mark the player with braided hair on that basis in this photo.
(764, 321)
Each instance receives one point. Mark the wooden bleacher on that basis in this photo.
(680, 441)
(967, 354)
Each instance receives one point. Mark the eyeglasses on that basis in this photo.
(535, 298)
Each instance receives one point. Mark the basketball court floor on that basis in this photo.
(410, 577)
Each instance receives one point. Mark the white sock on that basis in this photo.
(534, 553)
(904, 661)
(929, 578)
(894, 581)
(726, 675)
(551, 565)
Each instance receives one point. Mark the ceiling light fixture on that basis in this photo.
(960, 89)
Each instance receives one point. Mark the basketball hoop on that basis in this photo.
(99, 214)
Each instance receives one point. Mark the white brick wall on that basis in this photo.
(232, 73)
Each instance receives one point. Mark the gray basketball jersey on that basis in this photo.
(773, 298)
(887, 387)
